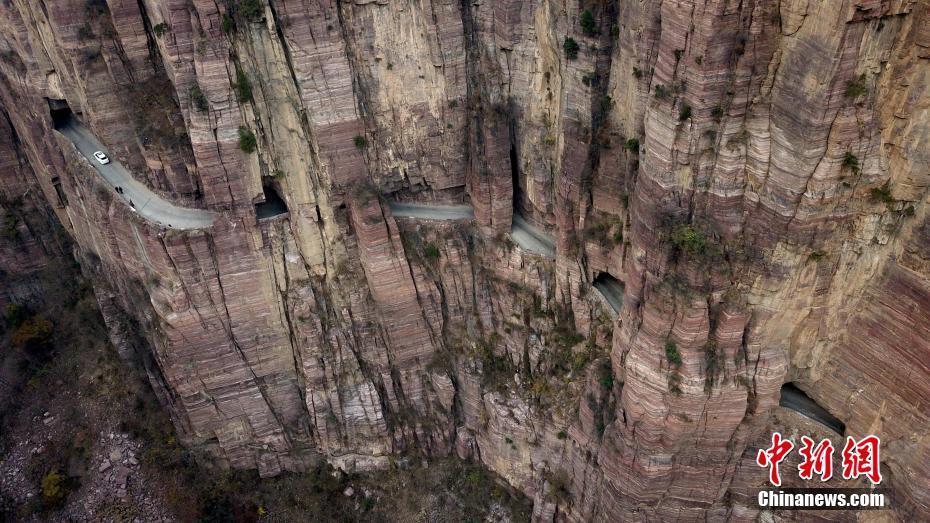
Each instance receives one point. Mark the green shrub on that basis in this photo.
(672, 354)
(717, 112)
(160, 29)
(637, 73)
(243, 87)
(251, 10)
(684, 112)
(10, 224)
(559, 485)
(856, 88)
(606, 376)
(690, 240)
(33, 335)
(632, 145)
(198, 98)
(661, 92)
(881, 194)
(52, 488)
(561, 434)
(588, 25)
(247, 141)
(851, 162)
(431, 251)
(816, 255)
(228, 24)
(571, 48)
(360, 141)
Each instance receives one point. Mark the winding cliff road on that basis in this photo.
(794, 399)
(531, 238)
(145, 202)
(432, 212)
(525, 235)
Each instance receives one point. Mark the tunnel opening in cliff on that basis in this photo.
(515, 173)
(60, 112)
(793, 398)
(273, 205)
(611, 289)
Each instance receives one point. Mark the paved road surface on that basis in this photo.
(531, 238)
(148, 204)
(432, 212)
(523, 234)
(794, 399)
(612, 290)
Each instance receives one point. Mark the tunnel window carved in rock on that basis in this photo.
(60, 112)
(62, 198)
(515, 174)
(793, 398)
(611, 288)
(273, 205)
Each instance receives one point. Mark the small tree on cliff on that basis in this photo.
(247, 141)
(198, 98)
(243, 87)
(571, 47)
(251, 10)
(587, 22)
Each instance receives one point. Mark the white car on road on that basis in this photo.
(101, 158)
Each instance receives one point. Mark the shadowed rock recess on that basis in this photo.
(751, 176)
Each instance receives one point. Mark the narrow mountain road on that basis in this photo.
(794, 399)
(531, 238)
(143, 201)
(612, 291)
(524, 235)
(432, 212)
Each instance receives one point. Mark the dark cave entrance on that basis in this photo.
(793, 398)
(273, 205)
(611, 288)
(60, 112)
(515, 173)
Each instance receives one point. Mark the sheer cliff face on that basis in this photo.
(754, 173)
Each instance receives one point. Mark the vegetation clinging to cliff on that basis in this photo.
(571, 47)
(587, 23)
(690, 240)
(247, 140)
(243, 87)
(198, 98)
